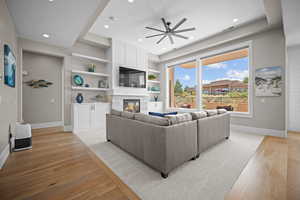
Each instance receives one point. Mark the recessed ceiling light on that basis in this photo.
(106, 26)
(45, 35)
(130, 1)
(191, 38)
(140, 40)
(50, 0)
(235, 20)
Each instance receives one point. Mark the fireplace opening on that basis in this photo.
(131, 105)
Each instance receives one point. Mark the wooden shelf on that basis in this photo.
(90, 58)
(154, 92)
(89, 88)
(89, 73)
(153, 71)
(153, 81)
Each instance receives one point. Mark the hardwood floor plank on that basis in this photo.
(59, 166)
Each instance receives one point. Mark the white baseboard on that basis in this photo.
(259, 131)
(68, 128)
(47, 124)
(4, 155)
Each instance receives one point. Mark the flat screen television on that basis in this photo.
(129, 77)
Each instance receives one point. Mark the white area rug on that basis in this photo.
(209, 177)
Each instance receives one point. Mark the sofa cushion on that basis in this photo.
(198, 115)
(161, 121)
(162, 114)
(128, 115)
(211, 112)
(115, 112)
(222, 111)
(180, 118)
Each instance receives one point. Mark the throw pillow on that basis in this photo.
(161, 121)
(180, 118)
(115, 112)
(211, 112)
(128, 115)
(198, 115)
(222, 111)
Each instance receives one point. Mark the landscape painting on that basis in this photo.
(9, 67)
(268, 82)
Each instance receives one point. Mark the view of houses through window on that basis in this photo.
(224, 82)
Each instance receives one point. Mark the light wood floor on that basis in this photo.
(273, 173)
(60, 166)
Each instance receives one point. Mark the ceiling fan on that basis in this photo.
(170, 31)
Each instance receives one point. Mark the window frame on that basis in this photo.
(198, 59)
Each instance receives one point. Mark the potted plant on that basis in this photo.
(151, 77)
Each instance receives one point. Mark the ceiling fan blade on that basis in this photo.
(165, 23)
(150, 36)
(184, 30)
(171, 39)
(180, 36)
(161, 39)
(178, 24)
(155, 29)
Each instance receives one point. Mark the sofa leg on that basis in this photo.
(198, 155)
(108, 140)
(227, 138)
(164, 175)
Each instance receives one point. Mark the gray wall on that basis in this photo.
(8, 104)
(42, 105)
(268, 50)
(293, 54)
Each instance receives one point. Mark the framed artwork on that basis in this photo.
(268, 82)
(9, 67)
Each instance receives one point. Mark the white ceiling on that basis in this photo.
(291, 16)
(208, 16)
(64, 20)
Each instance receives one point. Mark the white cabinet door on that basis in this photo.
(131, 56)
(82, 116)
(120, 53)
(98, 113)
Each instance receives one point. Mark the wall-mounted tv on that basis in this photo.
(129, 77)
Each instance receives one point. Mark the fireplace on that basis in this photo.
(131, 105)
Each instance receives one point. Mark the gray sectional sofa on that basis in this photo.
(165, 143)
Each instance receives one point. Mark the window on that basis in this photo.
(225, 81)
(182, 85)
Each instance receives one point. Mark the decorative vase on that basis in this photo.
(79, 98)
(155, 98)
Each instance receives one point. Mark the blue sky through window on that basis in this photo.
(230, 70)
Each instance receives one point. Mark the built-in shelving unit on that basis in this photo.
(153, 71)
(89, 88)
(153, 81)
(154, 92)
(90, 58)
(90, 73)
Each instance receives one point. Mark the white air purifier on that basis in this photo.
(23, 139)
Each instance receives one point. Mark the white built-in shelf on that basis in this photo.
(89, 88)
(154, 92)
(153, 71)
(89, 73)
(90, 58)
(153, 81)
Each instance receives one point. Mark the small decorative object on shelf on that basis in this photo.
(86, 85)
(154, 88)
(78, 80)
(151, 77)
(79, 98)
(155, 98)
(38, 83)
(103, 83)
(91, 67)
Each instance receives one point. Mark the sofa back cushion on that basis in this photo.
(211, 112)
(115, 112)
(198, 115)
(161, 121)
(180, 118)
(222, 111)
(128, 115)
